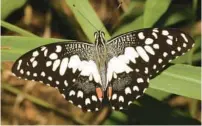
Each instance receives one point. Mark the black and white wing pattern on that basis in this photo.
(136, 56)
(67, 66)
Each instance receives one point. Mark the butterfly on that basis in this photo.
(118, 69)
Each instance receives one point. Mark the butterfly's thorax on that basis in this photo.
(101, 56)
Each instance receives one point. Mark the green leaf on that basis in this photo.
(135, 9)
(87, 18)
(178, 16)
(7, 7)
(157, 94)
(154, 9)
(16, 29)
(15, 46)
(134, 25)
(180, 79)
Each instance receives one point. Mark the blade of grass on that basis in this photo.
(134, 25)
(17, 29)
(12, 45)
(87, 18)
(7, 7)
(154, 9)
(39, 102)
(179, 79)
(178, 16)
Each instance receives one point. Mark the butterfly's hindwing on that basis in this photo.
(67, 66)
(126, 88)
(143, 53)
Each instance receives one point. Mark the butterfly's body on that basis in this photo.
(101, 58)
(84, 72)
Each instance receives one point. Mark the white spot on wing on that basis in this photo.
(165, 32)
(71, 93)
(45, 52)
(80, 94)
(87, 101)
(156, 46)
(149, 41)
(21, 71)
(63, 95)
(50, 78)
(155, 30)
(53, 56)
(121, 108)
(121, 99)
(114, 96)
(130, 102)
(19, 64)
(170, 42)
(160, 61)
(117, 66)
(172, 52)
(74, 63)
(43, 74)
(154, 66)
(48, 63)
(79, 106)
(146, 70)
(130, 54)
(184, 37)
(149, 50)
(138, 97)
(35, 74)
(184, 45)
(32, 59)
(155, 35)
(94, 98)
(65, 82)
(35, 53)
(128, 90)
(63, 66)
(142, 53)
(28, 73)
(43, 48)
(58, 48)
(179, 48)
(165, 54)
(56, 64)
(140, 80)
(141, 35)
(170, 37)
(34, 64)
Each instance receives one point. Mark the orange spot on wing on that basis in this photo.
(99, 93)
(109, 92)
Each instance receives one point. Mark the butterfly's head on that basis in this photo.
(99, 37)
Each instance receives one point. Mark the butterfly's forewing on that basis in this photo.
(139, 55)
(64, 66)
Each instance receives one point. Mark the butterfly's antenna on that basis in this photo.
(84, 17)
(120, 3)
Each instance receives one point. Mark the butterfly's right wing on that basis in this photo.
(67, 66)
(136, 56)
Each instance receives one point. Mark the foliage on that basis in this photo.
(181, 78)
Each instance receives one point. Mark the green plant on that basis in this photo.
(182, 78)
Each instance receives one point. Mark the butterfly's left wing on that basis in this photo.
(136, 56)
(67, 66)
